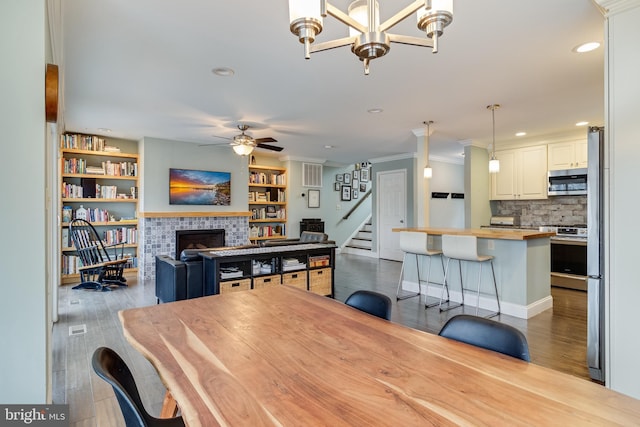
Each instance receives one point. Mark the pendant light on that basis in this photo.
(494, 164)
(428, 171)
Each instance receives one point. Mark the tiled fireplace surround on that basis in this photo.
(157, 235)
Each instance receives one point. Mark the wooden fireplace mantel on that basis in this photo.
(179, 214)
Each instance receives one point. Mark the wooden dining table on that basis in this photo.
(281, 356)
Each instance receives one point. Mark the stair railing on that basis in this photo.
(353, 209)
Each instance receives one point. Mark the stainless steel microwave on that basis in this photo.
(567, 182)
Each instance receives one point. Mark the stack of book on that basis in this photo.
(230, 273)
(289, 264)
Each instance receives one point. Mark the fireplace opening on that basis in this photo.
(198, 239)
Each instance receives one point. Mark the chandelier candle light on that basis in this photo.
(494, 164)
(367, 37)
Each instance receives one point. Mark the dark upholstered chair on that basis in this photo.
(100, 267)
(487, 333)
(371, 302)
(110, 367)
(179, 279)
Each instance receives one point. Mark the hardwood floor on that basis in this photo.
(557, 337)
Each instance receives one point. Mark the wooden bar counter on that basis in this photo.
(522, 260)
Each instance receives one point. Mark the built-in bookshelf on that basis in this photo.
(101, 182)
(267, 202)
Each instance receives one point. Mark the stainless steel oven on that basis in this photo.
(569, 258)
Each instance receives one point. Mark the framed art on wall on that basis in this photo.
(346, 193)
(313, 199)
(347, 178)
(340, 177)
(336, 186)
(196, 187)
(364, 175)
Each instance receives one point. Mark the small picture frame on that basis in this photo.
(364, 175)
(355, 183)
(346, 193)
(347, 178)
(356, 174)
(336, 186)
(313, 199)
(340, 177)
(355, 193)
(363, 187)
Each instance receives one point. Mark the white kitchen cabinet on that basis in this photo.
(568, 155)
(522, 176)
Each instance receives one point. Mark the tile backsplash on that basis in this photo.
(558, 210)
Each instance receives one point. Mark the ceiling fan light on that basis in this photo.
(243, 149)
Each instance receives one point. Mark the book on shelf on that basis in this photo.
(230, 272)
(299, 266)
(94, 170)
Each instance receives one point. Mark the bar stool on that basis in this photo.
(415, 243)
(465, 248)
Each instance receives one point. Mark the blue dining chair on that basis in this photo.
(487, 333)
(371, 302)
(109, 366)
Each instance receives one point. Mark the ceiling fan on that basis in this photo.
(244, 144)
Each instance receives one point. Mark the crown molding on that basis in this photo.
(403, 156)
(612, 7)
(301, 159)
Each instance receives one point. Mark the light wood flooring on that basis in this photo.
(557, 337)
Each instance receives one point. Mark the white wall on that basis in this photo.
(23, 316)
(157, 156)
(623, 128)
(447, 178)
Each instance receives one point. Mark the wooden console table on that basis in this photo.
(306, 266)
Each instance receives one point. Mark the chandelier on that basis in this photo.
(367, 37)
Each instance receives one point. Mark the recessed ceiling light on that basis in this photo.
(223, 72)
(521, 134)
(328, 147)
(582, 123)
(586, 47)
(104, 130)
(375, 110)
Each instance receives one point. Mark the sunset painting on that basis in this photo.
(194, 187)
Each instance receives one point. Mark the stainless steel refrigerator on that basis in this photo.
(595, 253)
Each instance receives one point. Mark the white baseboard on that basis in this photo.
(487, 302)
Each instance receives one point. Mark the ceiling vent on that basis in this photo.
(311, 175)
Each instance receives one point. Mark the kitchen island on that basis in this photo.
(522, 261)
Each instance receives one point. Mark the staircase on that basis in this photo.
(360, 243)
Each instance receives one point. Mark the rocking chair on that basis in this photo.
(99, 269)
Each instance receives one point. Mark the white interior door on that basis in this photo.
(392, 212)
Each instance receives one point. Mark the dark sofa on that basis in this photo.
(305, 237)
